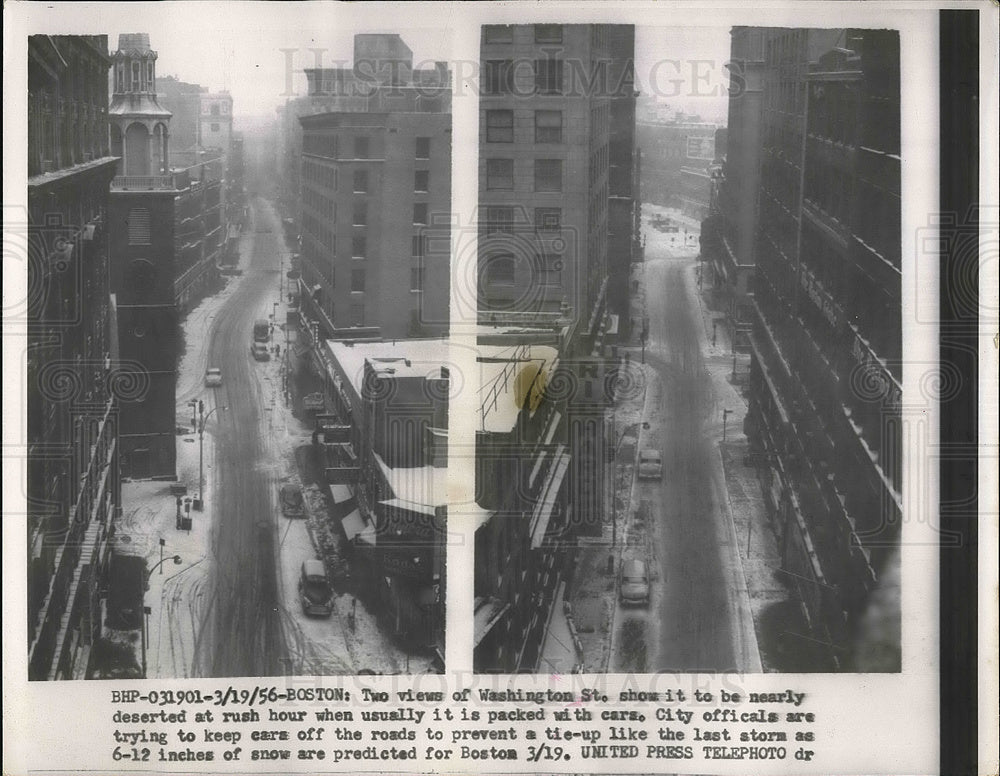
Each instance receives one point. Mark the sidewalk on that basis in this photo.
(593, 587)
(774, 612)
(560, 653)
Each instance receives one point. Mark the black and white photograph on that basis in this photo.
(690, 312)
(509, 387)
(237, 382)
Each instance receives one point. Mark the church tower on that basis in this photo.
(139, 126)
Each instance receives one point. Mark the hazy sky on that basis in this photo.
(258, 50)
(682, 66)
(262, 68)
(685, 68)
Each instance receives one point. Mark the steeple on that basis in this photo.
(139, 126)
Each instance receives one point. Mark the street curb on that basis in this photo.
(641, 291)
(743, 589)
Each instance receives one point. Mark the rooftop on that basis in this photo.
(400, 358)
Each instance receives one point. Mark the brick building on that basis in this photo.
(371, 178)
(545, 131)
(376, 198)
(74, 373)
(167, 234)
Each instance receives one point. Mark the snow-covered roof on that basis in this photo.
(419, 485)
(407, 358)
(500, 388)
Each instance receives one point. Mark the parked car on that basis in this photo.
(261, 330)
(260, 352)
(633, 588)
(315, 592)
(650, 465)
(292, 504)
(213, 377)
(314, 402)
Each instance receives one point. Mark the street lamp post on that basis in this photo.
(145, 609)
(201, 448)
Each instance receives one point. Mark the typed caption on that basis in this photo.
(407, 729)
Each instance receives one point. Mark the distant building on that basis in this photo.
(74, 372)
(183, 100)
(216, 121)
(825, 382)
(676, 156)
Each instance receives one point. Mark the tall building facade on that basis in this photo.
(624, 204)
(376, 198)
(544, 140)
(74, 373)
(557, 225)
(825, 403)
(729, 233)
(373, 185)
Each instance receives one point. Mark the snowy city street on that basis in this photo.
(698, 618)
(231, 607)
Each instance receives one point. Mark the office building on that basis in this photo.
(74, 373)
(825, 408)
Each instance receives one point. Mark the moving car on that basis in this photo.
(290, 497)
(213, 377)
(633, 588)
(315, 592)
(260, 352)
(650, 465)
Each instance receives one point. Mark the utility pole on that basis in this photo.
(201, 452)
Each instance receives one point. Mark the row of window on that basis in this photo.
(500, 219)
(833, 112)
(497, 76)
(135, 83)
(327, 176)
(329, 146)
(359, 241)
(500, 126)
(500, 175)
(359, 277)
(499, 269)
(504, 33)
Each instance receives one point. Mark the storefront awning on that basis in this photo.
(485, 617)
(353, 524)
(543, 511)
